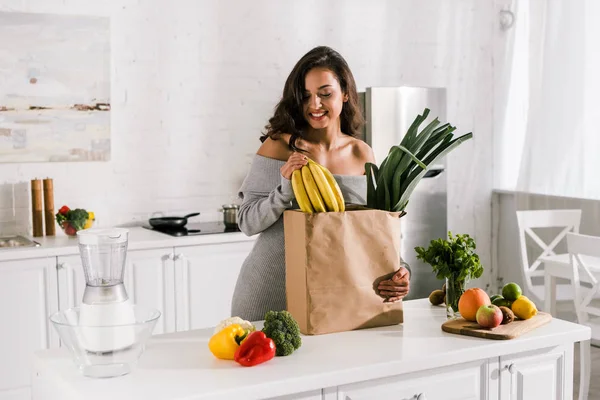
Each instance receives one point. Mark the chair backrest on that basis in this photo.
(568, 220)
(581, 248)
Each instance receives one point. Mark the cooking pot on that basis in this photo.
(170, 222)
(230, 215)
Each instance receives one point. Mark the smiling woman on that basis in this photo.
(317, 117)
(319, 91)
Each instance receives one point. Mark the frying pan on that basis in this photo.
(170, 222)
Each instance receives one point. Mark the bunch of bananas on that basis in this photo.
(316, 190)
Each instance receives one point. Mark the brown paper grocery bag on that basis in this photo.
(334, 262)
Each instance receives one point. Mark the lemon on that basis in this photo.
(524, 308)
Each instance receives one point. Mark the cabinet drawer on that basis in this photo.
(467, 381)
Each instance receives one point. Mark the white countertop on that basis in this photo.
(180, 366)
(139, 239)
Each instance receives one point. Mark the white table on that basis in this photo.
(559, 266)
(413, 360)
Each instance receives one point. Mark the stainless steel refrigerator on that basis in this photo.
(388, 112)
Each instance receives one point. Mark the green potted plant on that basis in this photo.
(453, 259)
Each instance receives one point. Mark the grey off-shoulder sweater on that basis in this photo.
(265, 195)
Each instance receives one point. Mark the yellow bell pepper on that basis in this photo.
(90, 220)
(223, 344)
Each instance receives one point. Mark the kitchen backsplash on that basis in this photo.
(14, 208)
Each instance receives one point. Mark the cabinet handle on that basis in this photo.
(169, 256)
(419, 396)
(60, 266)
(177, 257)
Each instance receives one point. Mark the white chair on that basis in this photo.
(569, 221)
(584, 254)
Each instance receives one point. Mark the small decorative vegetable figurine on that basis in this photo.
(256, 349)
(74, 220)
(224, 343)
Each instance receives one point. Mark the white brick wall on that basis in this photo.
(194, 82)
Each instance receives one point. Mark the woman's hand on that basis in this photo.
(294, 162)
(397, 287)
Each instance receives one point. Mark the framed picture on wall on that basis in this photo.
(54, 88)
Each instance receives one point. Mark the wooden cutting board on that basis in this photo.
(515, 329)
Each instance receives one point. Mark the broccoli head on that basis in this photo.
(78, 217)
(284, 330)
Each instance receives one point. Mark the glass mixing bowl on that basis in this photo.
(84, 340)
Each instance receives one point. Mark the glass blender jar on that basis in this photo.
(106, 333)
(105, 300)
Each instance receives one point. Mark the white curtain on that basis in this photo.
(548, 139)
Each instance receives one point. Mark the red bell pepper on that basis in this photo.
(256, 349)
(63, 210)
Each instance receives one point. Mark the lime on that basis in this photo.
(511, 291)
(496, 296)
(501, 301)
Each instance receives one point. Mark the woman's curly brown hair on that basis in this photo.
(289, 117)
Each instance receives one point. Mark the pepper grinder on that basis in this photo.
(49, 207)
(36, 208)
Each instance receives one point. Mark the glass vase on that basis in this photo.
(454, 289)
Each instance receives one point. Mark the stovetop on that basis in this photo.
(200, 228)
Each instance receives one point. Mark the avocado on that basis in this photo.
(437, 297)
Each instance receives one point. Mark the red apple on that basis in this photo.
(489, 316)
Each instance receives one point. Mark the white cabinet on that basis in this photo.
(541, 374)
(28, 296)
(205, 278)
(71, 281)
(149, 281)
(469, 381)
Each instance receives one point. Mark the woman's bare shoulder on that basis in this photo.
(276, 147)
(362, 151)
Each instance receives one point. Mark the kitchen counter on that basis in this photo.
(180, 366)
(139, 239)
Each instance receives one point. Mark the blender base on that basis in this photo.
(107, 328)
(107, 371)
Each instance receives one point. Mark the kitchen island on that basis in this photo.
(414, 360)
(161, 270)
